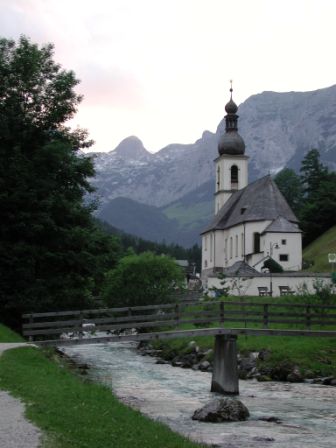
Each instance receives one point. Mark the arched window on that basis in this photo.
(234, 177)
(231, 247)
(218, 178)
(256, 242)
(236, 245)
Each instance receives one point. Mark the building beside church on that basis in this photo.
(252, 222)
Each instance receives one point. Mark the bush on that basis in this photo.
(143, 279)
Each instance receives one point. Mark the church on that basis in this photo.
(252, 222)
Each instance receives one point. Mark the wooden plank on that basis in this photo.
(190, 333)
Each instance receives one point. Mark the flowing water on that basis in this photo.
(170, 394)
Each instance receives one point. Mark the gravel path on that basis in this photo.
(15, 430)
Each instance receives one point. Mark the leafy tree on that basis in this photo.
(318, 208)
(272, 265)
(312, 173)
(290, 185)
(141, 280)
(51, 253)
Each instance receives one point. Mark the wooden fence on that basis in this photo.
(181, 315)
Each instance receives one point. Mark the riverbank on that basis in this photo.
(292, 359)
(74, 412)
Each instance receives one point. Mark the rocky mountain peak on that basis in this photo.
(131, 148)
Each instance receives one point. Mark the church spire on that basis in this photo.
(231, 142)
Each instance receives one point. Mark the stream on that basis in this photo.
(171, 395)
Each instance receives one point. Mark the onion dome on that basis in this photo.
(231, 107)
(231, 142)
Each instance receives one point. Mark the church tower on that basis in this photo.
(231, 165)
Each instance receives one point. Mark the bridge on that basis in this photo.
(225, 320)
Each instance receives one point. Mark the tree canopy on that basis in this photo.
(312, 195)
(143, 279)
(51, 252)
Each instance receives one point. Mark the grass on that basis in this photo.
(317, 252)
(7, 335)
(314, 354)
(72, 412)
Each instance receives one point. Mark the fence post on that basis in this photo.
(308, 322)
(265, 315)
(177, 314)
(81, 319)
(31, 321)
(221, 312)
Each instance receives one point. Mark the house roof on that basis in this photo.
(282, 225)
(259, 201)
(241, 268)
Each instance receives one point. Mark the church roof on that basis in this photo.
(241, 268)
(282, 225)
(259, 201)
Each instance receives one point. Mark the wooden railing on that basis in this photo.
(181, 315)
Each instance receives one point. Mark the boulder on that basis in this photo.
(204, 366)
(222, 410)
(295, 376)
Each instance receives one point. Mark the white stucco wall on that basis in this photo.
(226, 247)
(248, 286)
(289, 244)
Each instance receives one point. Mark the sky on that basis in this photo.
(161, 69)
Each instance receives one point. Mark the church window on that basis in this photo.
(231, 247)
(256, 242)
(225, 247)
(234, 177)
(236, 245)
(205, 263)
(283, 257)
(218, 178)
(283, 242)
(206, 242)
(242, 244)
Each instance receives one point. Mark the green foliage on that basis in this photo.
(272, 265)
(224, 289)
(310, 195)
(51, 253)
(289, 184)
(319, 197)
(76, 413)
(143, 279)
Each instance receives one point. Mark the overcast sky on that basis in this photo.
(160, 70)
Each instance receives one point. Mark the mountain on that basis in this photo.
(278, 129)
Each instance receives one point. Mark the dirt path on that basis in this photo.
(15, 430)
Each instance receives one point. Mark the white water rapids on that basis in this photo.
(171, 395)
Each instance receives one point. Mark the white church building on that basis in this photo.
(252, 222)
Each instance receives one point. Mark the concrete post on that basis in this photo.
(225, 370)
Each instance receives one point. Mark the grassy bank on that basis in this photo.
(74, 413)
(7, 335)
(314, 354)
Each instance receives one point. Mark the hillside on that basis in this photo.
(317, 252)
